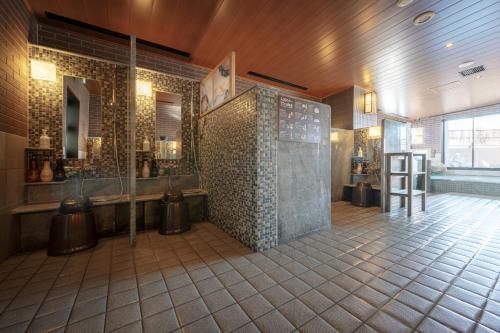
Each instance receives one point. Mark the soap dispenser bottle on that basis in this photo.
(33, 174)
(146, 145)
(44, 140)
(46, 175)
(60, 174)
(146, 172)
(154, 168)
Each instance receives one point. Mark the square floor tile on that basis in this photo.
(316, 301)
(184, 295)
(156, 304)
(340, 319)
(332, 291)
(218, 300)
(296, 312)
(206, 324)
(256, 306)
(383, 322)
(88, 309)
(93, 324)
(122, 316)
(262, 282)
(191, 312)
(231, 318)
(277, 295)
(358, 307)
(408, 316)
(165, 321)
(296, 286)
(274, 322)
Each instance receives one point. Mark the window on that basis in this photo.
(473, 142)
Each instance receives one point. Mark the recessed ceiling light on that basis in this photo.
(466, 64)
(403, 3)
(423, 18)
(449, 45)
(477, 76)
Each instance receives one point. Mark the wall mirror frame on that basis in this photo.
(168, 126)
(81, 116)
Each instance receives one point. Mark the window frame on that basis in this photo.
(443, 145)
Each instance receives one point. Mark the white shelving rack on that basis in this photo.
(411, 165)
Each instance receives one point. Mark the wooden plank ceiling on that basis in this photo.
(324, 45)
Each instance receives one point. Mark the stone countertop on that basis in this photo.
(96, 201)
(374, 187)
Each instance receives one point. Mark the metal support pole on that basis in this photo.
(132, 120)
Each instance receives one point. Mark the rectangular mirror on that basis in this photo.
(81, 115)
(168, 131)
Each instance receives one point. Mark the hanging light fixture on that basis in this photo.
(370, 102)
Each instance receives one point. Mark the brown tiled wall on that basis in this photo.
(15, 24)
(14, 29)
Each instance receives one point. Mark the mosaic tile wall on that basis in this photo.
(239, 140)
(228, 156)
(95, 116)
(267, 167)
(46, 99)
(146, 115)
(372, 148)
(460, 186)
(45, 105)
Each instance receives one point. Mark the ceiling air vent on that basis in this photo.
(94, 28)
(273, 79)
(472, 70)
(445, 87)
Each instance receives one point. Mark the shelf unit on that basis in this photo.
(408, 160)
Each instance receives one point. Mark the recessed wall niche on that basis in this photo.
(45, 104)
(45, 108)
(189, 92)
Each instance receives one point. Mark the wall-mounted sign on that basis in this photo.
(219, 85)
(298, 120)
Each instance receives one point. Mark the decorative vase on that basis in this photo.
(59, 175)
(44, 140)
(33, 174)
(46, 175)
(146, 172)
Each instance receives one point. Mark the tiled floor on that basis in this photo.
(435, 272)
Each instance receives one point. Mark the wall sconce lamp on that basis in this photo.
(144, 88)
(370, 102)
(417, 136)
(374, 132)
(334, 136)
(43, 70)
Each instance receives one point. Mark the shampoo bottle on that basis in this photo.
(145, 144)
(146, 172)
(46, 175)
